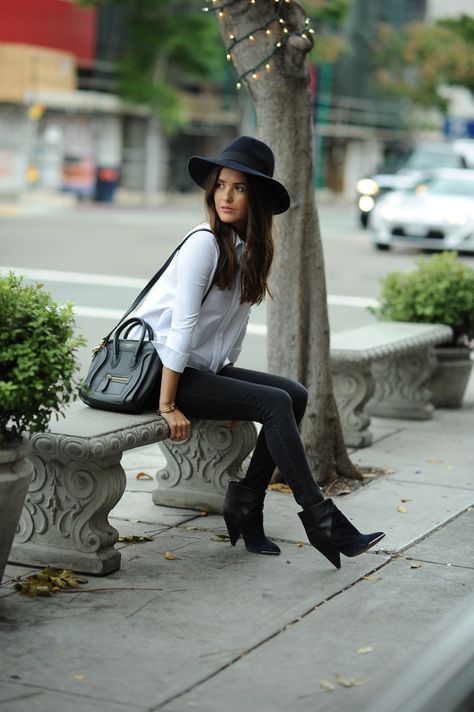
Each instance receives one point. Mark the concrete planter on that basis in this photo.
(449, 381)
(15, 475)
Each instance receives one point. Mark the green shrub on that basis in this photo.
(440, 290)
(37, 359)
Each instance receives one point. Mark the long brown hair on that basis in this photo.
(258, 253)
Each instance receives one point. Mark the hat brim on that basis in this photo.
(200, 169)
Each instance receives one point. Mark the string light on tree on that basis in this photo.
(265, 29)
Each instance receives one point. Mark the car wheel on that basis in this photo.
(382, 246)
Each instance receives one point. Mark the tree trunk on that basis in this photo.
(298, 324)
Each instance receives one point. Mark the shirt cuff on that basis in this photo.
(174, 360)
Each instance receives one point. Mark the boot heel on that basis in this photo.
(232, 529)
(243, 514)
(327, 549)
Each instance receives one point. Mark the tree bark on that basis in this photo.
(298, 323)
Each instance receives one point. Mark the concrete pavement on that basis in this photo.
(219, 629)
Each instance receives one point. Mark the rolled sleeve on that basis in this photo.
(172, 359)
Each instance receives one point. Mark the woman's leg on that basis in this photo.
(262, 466)
(220, 397)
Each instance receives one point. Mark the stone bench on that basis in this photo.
(383, 369)
(78, 480)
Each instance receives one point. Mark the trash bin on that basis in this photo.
(106, 184)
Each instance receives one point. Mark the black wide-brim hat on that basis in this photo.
(247, 155)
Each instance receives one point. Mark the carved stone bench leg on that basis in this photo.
(64, 521)
(353, 386)
(400, 382)
(197, 471)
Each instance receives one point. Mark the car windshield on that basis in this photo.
(426, 161)
(451, 186)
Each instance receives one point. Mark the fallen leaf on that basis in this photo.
(134, 539)
(415, 565)
(143, 476)
(352, 682)
(170, 556)
(222, 537)
(402, 509)
(371, 577)
(390, 471)
(279, 487)
(80, 678)
(48, 580)
(343, 681)
(203, 514)
(406, 499)
(364, 650)
(326, 685)
(300, 544)
(434, 462)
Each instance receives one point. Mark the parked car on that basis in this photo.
(417, 166)
(438, 214)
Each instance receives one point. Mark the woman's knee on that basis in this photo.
(299, 396)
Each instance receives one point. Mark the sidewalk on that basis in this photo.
(218, 629)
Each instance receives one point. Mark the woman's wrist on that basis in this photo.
(166, 408)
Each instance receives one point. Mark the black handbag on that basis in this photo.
(124, 373)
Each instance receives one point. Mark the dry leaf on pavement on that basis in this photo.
(326, 685)
(364, 650)
(402, 509)
(345, 682)
(279, 487)
(143, 476)
(371, 577)
(170, 556)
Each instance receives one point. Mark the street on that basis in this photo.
(99, 256)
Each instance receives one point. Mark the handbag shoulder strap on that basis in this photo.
(155, 279)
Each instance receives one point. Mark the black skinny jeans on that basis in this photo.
(275, 402)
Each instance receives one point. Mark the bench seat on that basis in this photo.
(382, 369)
(78, 480)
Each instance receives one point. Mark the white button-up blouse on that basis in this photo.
(187, 331)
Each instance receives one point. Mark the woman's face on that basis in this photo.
(230, 198)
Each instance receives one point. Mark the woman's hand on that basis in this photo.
(180, 426)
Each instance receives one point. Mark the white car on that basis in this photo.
(438, 214)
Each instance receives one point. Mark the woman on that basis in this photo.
(199, 311)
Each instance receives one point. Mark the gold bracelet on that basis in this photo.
(170, 409)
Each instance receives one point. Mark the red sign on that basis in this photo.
(55, 24)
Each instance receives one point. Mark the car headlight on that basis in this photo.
(388, 212)
(367, 186)
(460, 217)
(366, 203)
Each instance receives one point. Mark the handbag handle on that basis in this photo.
(146, 330)
(132, 323)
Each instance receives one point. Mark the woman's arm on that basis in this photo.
(179, 425)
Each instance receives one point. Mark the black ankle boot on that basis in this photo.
(243, 514)
(332, 534)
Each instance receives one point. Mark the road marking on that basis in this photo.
(107, 280)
